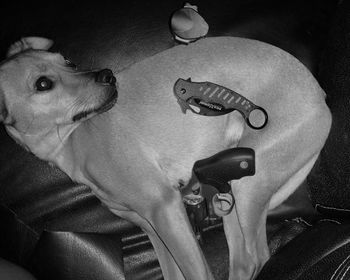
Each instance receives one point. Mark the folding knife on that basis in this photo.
(209, 99)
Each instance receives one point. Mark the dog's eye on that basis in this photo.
(43, 84)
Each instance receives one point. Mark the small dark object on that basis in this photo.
(196, 208)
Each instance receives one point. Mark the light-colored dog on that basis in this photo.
(135, 156)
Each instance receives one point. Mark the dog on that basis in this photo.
(126, 137)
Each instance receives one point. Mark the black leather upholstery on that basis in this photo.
(57, 229)
(329, 183)
(321, 252)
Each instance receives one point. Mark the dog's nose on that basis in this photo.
(105, 76)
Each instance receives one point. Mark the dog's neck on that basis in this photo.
(46, 144)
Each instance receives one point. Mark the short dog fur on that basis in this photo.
(134, 154)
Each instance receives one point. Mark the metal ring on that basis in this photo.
(265, 115)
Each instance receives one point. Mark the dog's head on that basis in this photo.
(41, 90)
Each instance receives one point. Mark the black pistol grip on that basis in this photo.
(223, 167)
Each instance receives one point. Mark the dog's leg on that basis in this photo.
(169, 230)
(170, 269)
(245, 227)
(283, 160)
(167, 263)
(171, 224)
(246, 238)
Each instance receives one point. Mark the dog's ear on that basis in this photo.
(36, 43)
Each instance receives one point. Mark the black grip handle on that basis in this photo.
(225, 166)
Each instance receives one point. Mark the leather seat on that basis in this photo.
(59, 230)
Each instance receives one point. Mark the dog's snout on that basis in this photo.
(105, 76)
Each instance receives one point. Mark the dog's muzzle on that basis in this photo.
(106, 78)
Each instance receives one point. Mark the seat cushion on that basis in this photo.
(321, 252)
